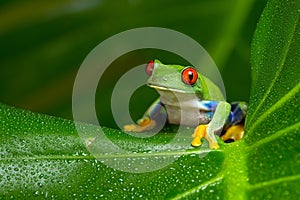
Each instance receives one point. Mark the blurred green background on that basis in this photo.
(43, 44)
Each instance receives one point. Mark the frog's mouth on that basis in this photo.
(157, 87)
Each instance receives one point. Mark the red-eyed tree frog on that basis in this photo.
(191, 99)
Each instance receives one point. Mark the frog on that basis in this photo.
(189, 98)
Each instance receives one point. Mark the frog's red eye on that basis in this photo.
(189, 76)
(149, 67)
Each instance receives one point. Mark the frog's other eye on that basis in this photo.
(149, 67)
(189, 76)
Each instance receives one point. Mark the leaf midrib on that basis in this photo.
(105, 156)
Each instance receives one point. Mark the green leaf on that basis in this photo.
(273, 118)
(43, 156)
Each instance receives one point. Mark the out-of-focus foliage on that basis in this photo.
(44, 43)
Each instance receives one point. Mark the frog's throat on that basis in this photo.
(169, 89)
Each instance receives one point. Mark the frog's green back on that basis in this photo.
(211, 91)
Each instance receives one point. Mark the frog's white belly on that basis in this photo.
(183, 108)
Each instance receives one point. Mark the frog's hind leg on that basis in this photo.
(237, 113)
(233, 133)
(235, 122)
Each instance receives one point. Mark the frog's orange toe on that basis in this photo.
(196, 142)
(145, 121)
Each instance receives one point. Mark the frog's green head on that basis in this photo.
(174, 78)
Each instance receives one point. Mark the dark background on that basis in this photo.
(43, 44)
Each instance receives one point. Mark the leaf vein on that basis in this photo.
(277, 72)
(274, 136)
(275, 106)
(273, 182)
(198, 187)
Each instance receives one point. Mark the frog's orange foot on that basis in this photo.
(201, 132)
(235, 132)
(143, 125)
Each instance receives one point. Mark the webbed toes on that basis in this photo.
(201, 132)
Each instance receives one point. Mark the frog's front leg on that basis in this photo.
(143, 124)
(216, 124)
(154, 116)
